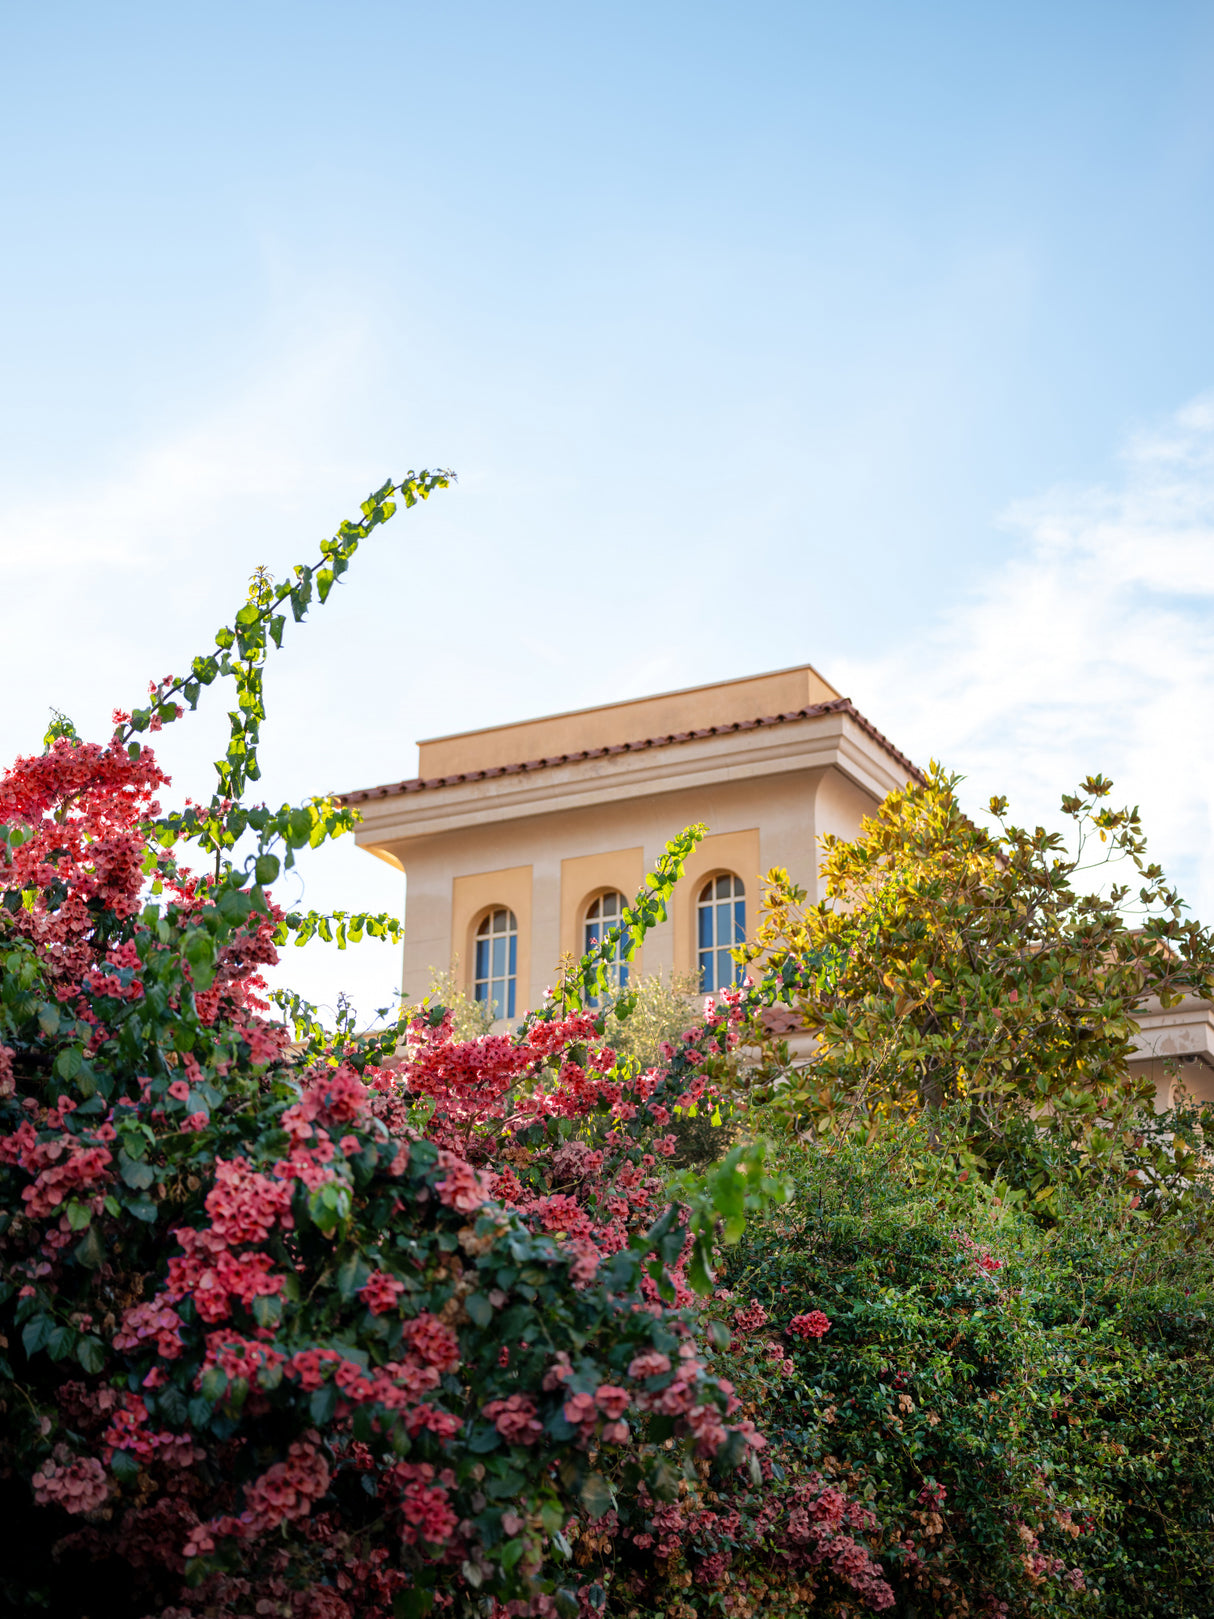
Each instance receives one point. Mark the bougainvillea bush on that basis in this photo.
(300, 1322)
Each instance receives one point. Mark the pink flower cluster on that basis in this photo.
(245, 1206)
(515, 1419)
(290, 1488)
(380, 1292)
(427, 1516)
(811, 1325)
(335, 1096)
(823, 1523)
(143, 1322)
(239, 1357)
(589, 1195)
(981, 1257)
(432, 1341)
(128, 1430)
(650, 1364)
(780, 1362)
(216, 1276)
(751, 1318)
(60, 1167)
(462, 1187)
(77, 1485)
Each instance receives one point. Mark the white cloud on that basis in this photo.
(1090, 648)
(168, 496)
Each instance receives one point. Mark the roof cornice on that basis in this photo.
(840, 705)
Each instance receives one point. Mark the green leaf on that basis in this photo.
(701, 1279)
(719, 1333)
(124, 1467)
(731, 1454)
(173, 1405)
(214, 1383)
(267, 1309)
(199, 951)
(90, 1352)
(266, 868)
(69, 1062)
(91, 1251)
(413, 1603)
(479, 1309)
(36, 1333)
(351, 1274)
(60, 1343)
(663, 1480)
(136, 1175)
(595, 1495)
(323, 1403)
(484, 1439)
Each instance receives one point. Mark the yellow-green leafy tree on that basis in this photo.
(988, 973)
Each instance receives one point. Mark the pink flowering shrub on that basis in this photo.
(299, 1322)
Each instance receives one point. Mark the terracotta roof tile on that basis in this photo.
(779, 1020)
(840, 705)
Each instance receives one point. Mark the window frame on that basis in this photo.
(484, 937)
(713, 907)
(618, 967)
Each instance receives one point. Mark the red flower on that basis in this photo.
(812, 1325)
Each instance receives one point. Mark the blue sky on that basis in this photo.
(878, 336)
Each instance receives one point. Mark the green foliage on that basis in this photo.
(661, 1008)
(951, 963)
(1056, 1384)
(242, 650)
(470, 1019)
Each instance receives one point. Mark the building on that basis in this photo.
(520, 842)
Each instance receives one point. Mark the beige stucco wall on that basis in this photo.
(472, 897)
(839, 808)
(784, 691)
(584, 878)
(547, 867)
(1175, 1049)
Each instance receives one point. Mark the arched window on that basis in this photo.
(722, 927)
(603, 914)
(496, 972)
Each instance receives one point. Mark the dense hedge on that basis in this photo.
(1028, 1410)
